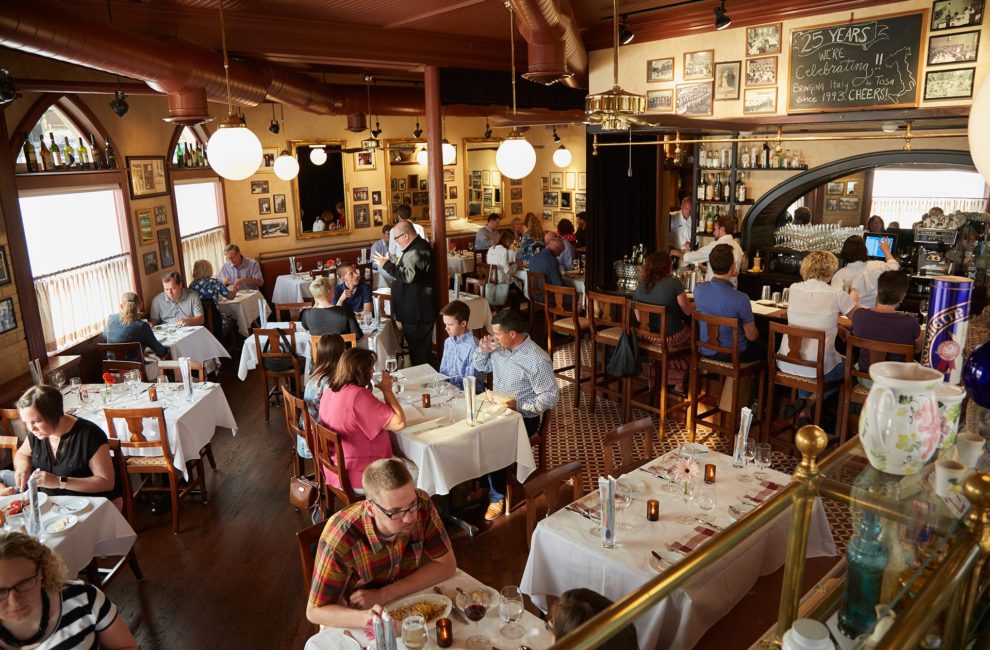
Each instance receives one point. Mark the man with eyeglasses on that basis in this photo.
(413, 302)
(388, 546)
(403, 213)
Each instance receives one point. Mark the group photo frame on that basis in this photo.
(694, 99)
(699, 64)
(763, 39)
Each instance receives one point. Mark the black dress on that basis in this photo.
(330, 320)
(78, 446)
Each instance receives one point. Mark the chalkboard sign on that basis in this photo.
(870, 63)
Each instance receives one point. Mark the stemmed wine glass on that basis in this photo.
(511, 610)
(763, 454)
(414, 632)
(622, 501)
(749, 455)
(163, 389)
(58, 379)
(475, 607)
(706, 501)
(133, 379)
(667, 468)
(687, 489)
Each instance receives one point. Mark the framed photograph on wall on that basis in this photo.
(4, 267)
(949, 84)
(760, 100)
(570, 180)
(548, 215)
(268, 157)
(453, 191)
(376, 197)
(251, 229)
(277, 227)
(259, 187)
(517, 208)
(565, 200)
(148, 176)
(376, 218)
(761, 71)
(848, 204)
(265, 205)
(950, 14)
(699, 65)
(544, 183)
(160, 217)
(953, 48)
(362, 216)
(360, 194)
(8, 319)
(582, 180)
(150, 263)
(763, 39)
(448, 175)
(727, 75)
(364, 161)
(660, 101)
(165, 253)
(660, 70)
(832, 205)
(551, 199)
(515, 193)
(450, 211)
(835, 188)
(580, 201)
(694, 99)
(278, 203)
(145, 226)
(486, 177)
(556, 180)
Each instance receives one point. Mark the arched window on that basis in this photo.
(60, 118)
(191, 145)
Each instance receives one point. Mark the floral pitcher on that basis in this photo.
(901, 426)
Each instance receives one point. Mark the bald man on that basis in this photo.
(413, 302)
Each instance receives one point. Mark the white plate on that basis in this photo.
(58, 525)
(766, 302)
(437, 599)
(5, 501)
(669, 560)
(630, 485)
(71, 504)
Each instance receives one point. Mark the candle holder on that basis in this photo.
(709, 473)
(445, 633)
(426, 400)
(653, 510)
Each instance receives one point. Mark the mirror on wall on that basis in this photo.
(407, 175)
(318, 190)
(484, 190)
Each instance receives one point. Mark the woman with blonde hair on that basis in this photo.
(326, 318)
(41, 608)
(127, 326)
(210, 288)
(532, 238)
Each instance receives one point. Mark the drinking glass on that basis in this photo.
(414, 632)
(765, 294)
(75, 383)
(511, 610)
(923, 310)
(622, 502)
(391, 364)
(133, 378)
(667, 465)
(785, 295)
(474, 604)
(163, 389)
(706, 501)
(686, 490)
(319, 265)
(749, 455)
(58, 379)
(298, 267)
(763, 453)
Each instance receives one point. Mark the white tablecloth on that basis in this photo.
(190, 424)
(101, 530)
(450, 455)
(386, 343)
(564, 555)
(460, 264)
(244, 309)
(291, 288)
(193, 341)
(575, 281)
(481, 313)
(536, 636)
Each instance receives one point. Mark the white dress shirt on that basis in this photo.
(393, 247)
(701, 255)
(863, 277)
(504, 260)
(815, 305)
(680, 230)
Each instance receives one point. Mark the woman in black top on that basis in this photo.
(70, 454)
(325, 318)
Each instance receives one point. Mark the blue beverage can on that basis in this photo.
(948, 322)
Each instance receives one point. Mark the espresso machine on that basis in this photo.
(932, 244)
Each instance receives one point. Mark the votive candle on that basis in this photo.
(709, 473)
(445, 633)
(426, 400)
(653, 510)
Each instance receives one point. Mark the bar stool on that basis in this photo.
(562, 318)
(853, 392)
(791, 353)
(702, 366)
(653, 346)
(609, 316)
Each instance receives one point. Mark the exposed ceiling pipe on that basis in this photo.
(555, 49)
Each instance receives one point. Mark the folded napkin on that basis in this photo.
(767, 489)
(692, 540)
(423, 426)
(586, 506)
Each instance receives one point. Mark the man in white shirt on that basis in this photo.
(860, 273)
(722, 231)
(404, 212)
(680, 227)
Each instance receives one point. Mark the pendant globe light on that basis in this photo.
(515, 157)
(317, 155)
(612, 109)
(234, 151)
(447, 150)
(562, 156)
(286, 166)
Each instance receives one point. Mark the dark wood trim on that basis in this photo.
(867, 201)
(17, 244)
(56, 180)
(433, 120)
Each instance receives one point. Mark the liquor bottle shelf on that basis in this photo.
(746, 202)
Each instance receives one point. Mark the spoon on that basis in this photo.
(350, 636)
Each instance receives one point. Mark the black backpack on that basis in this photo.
(282, 365)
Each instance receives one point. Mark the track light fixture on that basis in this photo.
(274, 126)
(722, 19)
(488, 130)
(119, 103)
(556, 138)
(625, 36)
(418, 132)
(377, 131)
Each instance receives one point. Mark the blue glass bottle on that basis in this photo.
(867, 557)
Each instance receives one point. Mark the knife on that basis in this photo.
(453, 607)
(662, 560)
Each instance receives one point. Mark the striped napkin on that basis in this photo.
(767, 490)
(692, 540)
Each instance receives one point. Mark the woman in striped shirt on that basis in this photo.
(41, 609)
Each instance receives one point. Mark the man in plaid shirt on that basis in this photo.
(388, 546)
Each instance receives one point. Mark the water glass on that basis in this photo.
(391, 364)
(75, 383)
(163, 387)
(414, 632)
(58, 379)
(786, 295)
(749, 455)
(763, 455)
(687, 490)
(776, 297)
(510, 609)
(706, 501)
(765, 294)
(622, 501)
(133, 379)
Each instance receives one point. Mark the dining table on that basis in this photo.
(565, 553)
(190, 420)
(536, 635)
(193, 341)
(480, 313)
(244, 308)
(460, 262)
(294, 287)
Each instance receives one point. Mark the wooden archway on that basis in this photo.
(74, 108)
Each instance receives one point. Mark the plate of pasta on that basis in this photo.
(429, 606)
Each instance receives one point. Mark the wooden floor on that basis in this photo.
(231, 577)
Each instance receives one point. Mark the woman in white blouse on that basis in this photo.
(502, 258)
(815, 304)
(860, 273)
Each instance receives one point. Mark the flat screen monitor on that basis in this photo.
(873, 241)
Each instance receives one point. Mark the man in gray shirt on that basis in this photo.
(176, 304)
(488, 236)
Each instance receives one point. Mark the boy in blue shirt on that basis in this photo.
(458, 349)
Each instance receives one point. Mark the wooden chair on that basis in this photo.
(121, 351)
(308, 540)
(853, 391)
(540, 440)
(537, 297)
(366, 272)
(222, 330)
(381, 301)
(329, 454)
(550, 484)
(658, 355)
(816, 385)
(157, 464)
(626, 437)
(290, 311)
(296, 424)
(703, 366)
(475, 286)
(609, 316)
(350, 340)
(272, 349)
(119, 368)
(101, 576)
(562, 318)
(170, 369)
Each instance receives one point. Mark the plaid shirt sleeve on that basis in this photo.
(331, 570)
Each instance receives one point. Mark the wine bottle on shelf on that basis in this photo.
(30, 159)
(110, 158)
(709, 188)
(69, 154)
(744, 162)
(727, 189)
(717, 190)
(56, 153)
(83, 155)
(702, 157)
(46, 155)
(701, 188)
(94, 151)
(179, 158)
(740, 188)
(199, 156)
(188, 161)
(766, 155)
(724, 157)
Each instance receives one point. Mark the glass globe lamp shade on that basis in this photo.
(515, 157)
(422, 157)
(449, 153)
(234, 151)
(562, 156)
(286, 166)
(317, 156)
(976, 375)
(979, 130)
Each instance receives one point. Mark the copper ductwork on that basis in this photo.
(555, 50)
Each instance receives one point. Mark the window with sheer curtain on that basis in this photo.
(78, 247)
(198, 207)
(906, 195)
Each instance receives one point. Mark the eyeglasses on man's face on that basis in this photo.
(399, 514)
(25, 585)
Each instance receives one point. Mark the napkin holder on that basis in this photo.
(292, 265)
(34, 514)
(469, 400)
(457, 286)
(262, 316)
(606, 494)
(186, 371)
(745, 421)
